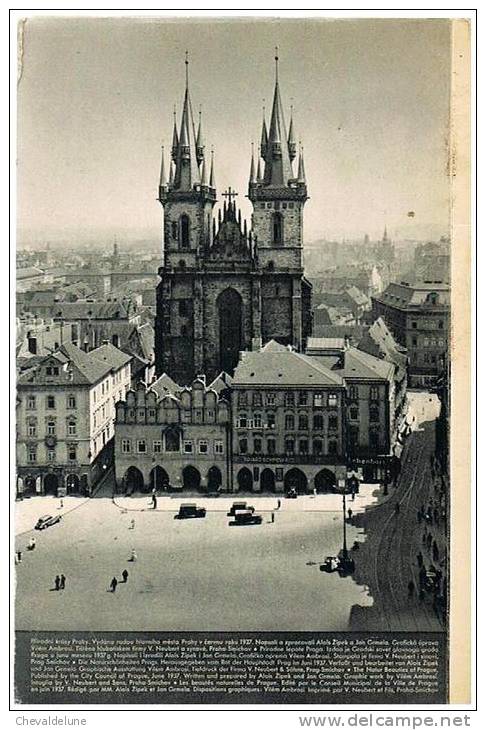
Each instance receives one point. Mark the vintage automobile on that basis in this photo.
(246, 517)
(239, 506)
(188, 510)
(342, 564)
(47, 521)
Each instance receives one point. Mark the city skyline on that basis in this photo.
(374, 126)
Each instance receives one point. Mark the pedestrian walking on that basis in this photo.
(32, 543)
(19, 556)
(422, 575)
(350, 513)
(272, 518)
(429, 540)
(133, 556)
(154, 501)
(397, 508)
(113, 584)
(279, 503)
(132, 525)
(61, 504)
(314, 491)
(353, 494)
(57, 582)
(62, 582)
(125, 575)
(420, 559)
(411, 588)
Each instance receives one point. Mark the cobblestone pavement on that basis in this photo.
(387, 561)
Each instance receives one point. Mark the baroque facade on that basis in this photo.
(224, 286)
(65, 419)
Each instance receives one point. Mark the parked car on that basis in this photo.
(188, 510)
(246, 517)
(239, 506)
(47, 521)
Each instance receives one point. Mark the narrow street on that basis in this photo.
(387, 561)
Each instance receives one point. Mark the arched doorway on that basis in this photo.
(245, 480)
(133, 480)
(214, 479)
(158, 478)
(230, 314)
(51, 484)
(191, 478)
(267, 481)
(72, 484)
(29, 485)
(325, 481)
(296, 479)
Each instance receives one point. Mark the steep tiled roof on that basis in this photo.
(109, 309)
(220, 383)
(85, 367)
(355, 364)
(283, 368)
(165, 386)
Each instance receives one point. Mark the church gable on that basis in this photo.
(231, 242)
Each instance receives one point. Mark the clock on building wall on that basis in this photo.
(51, 441)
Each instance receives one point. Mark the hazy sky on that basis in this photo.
(371, 104)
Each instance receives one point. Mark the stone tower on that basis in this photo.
(278, 196)
(226, 287)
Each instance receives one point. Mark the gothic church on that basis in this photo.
(225, 287)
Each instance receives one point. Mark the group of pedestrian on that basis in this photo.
(60, 582)
(30, 547)
(115, 581)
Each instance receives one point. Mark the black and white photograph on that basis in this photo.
(233, 349)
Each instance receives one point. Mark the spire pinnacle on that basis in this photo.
(163, 179)
(175, 137)
(199, 140)
(276, 64)
(291, 139)
(301, 173)
(259, 171)
(212, 178)
(252, 166)
(187, 69)
(264, 136)
(204, 177)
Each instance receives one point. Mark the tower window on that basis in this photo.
(277, 220)
(185, 225)
(174, 230)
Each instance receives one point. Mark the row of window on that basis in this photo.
(140, 446)
(196, 415)
(304, 398)
(50, 402)
(276, 205)
(72, 453)
(428, 324)
(302, 421)
(291, 446)
(51, 427)
(429, 342)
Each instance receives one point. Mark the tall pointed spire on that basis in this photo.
(385, 234)
(252, 166)
(278, 166)
(291, 139)
(212, 177)
(259, 171)
(171, 173)
(187, 166)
